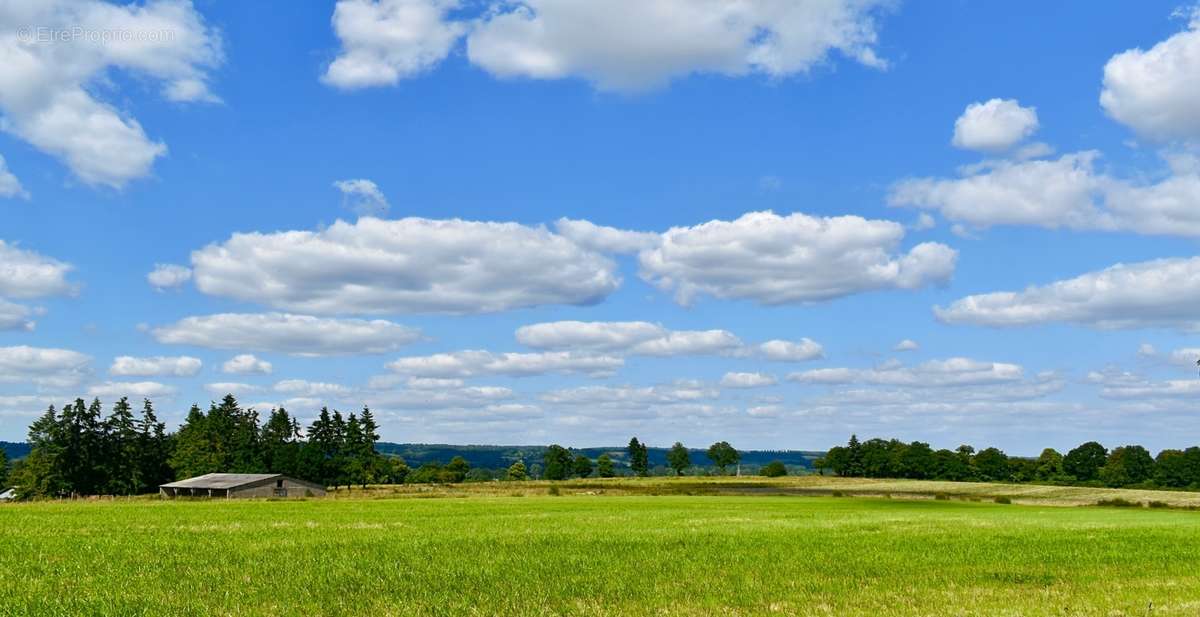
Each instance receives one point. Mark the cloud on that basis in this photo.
(470, 397)
(906, 345)
(630, 337)
(1184, 357)
(362, 196)
(621, 396)
(49, 80)
(605, 239)
(473, 363)
(790, 351)
(10, 186)
(236, 389)
(1160, 293)
(311, 389)
(246, 364)
(43, 367)
(774, 259)
(157, 366)
(1122, 385)
(994, 126)
(409, 265)
(689, 343)
(167, 276)
(300, 335)
(1064, 193)
(1154, 91)
(26, 274)
(747, 380)
(593, 335)
(933, 374)
(139, 389)
(15, 316)
(632, 45)
(384, 41)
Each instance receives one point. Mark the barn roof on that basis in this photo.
(222, 480)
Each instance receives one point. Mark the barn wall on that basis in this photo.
(267, 489)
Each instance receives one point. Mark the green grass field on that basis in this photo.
(596, 555)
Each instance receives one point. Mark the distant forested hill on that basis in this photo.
(497, 457)
(14, 450)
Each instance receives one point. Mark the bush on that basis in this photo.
(1117, 502)
(837, 494)
(774, 469)
(553, 491)
(1002, 499)
(942, 496)
(1158, 504)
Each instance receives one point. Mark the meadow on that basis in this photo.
(589, 551)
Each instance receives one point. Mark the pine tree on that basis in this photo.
(279, 443)
(195, 452)
(639, 460)
(154, 450)
(122, 474)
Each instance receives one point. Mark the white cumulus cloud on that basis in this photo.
(48, 87)
(933, 374)
(1154, 91)
(167, 276)
(246, 364)
(774, 259)
(605, 239)
(633, 45)
(10, 186)
(43, 367)
(791, 351)
(300, 335)
(747, 380)
(157, 366)
(409, 265)
(384, 41)
(1158, 293)
(994, 126)
(134, 389)
(473, 363)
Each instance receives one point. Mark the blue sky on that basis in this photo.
(713, 221)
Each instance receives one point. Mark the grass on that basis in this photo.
(575, 554)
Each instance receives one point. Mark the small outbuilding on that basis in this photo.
(8, 494)
(235, 485)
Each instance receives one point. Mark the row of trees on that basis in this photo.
(558, 463)
(1089, 464)
(79, 451)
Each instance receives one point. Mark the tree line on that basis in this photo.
(558, 463)
(1089, 464)
(81, 451)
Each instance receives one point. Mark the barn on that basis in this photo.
(241, 485)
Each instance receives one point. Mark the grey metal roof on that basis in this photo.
(222, 480)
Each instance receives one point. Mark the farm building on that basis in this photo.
(231, 485)
(8, 494)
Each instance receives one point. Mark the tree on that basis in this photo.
(121, 469)
(774, 469)
(916, 461)
(1085, 461)
(1049, 465)
(280, 444)
(678, 458)
(723, 455)
(1171, 469)
(604, 466)
(1127, 465)
(583, 466)
(3, 469)
(639, 457)
(992, 465)
(457, 470)
(516, 472)
(558, 463)
(154, 450)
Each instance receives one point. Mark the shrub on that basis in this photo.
(774, 469)
(553, 490)
(1117, 502)
(1158, 504)
(1002, 499)
(942, 496)
(837, 494)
